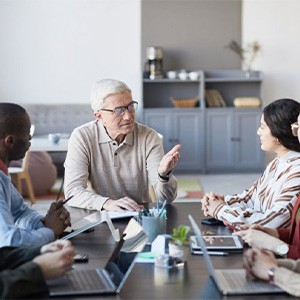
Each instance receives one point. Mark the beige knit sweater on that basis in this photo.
(115, 171)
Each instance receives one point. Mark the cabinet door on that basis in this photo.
(188, 131)
(162, 123)
(219, 146)
(248, 154)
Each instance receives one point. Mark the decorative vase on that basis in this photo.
(177, 251)
(248, 73)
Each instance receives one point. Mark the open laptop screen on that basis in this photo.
(120, 263)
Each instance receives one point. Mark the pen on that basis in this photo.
(214, 253)
(162, 208)
(65, 201)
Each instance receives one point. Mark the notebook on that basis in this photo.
(232, 281)
(108, 280)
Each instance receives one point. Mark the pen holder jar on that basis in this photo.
(153, 226)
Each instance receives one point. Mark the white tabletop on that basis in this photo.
(43, 144)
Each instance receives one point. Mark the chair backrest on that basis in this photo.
(25, 162)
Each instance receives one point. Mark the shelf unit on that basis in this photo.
(213, 139)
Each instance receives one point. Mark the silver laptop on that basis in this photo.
(232, 281)
(109, 280)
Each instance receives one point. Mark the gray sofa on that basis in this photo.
(62, 118)
(58, 118)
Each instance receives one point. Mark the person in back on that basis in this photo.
(21, 225)
(270, 200)
(119, 156)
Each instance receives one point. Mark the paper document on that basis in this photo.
(122, 214)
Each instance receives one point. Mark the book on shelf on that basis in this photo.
(214, 98)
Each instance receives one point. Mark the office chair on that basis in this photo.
(18, 174)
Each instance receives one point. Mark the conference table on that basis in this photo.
(149, 282)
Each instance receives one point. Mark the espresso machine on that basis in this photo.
(154, 63)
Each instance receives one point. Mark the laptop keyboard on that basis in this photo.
(85, 280)
(236, 280)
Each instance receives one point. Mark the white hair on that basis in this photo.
(104, 88)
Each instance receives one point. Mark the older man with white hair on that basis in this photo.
(118, 155)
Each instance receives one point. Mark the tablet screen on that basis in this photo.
(217, 242)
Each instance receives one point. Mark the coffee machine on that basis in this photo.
(154, 63)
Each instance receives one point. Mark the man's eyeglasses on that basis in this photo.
(295, 127)
(119, 111)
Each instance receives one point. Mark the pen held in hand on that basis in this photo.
(64, 202)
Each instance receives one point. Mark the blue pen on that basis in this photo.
(162, 208)
(163, 214)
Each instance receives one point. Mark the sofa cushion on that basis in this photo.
(62, 118)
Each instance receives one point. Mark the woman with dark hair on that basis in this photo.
(270, 200)
(261, 263)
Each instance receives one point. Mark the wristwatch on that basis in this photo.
(271, 274)
(165, 177)
(282, 249)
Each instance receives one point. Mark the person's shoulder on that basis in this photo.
(294, 157)
(145, 130)
(3, 177)
(86, 128)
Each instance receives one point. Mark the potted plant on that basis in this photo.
(247, 54)
(178, 240)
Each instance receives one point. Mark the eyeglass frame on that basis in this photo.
(123, 108)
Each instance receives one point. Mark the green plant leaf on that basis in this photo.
(180, 235)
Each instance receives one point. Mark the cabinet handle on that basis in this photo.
(235, 139)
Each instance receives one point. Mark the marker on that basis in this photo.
(213, 253)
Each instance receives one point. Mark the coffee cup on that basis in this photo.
(54, 138)
(183, 75)
(193, 75)
(171, 74)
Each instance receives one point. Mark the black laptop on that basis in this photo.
(109, 280)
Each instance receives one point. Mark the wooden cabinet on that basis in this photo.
(183, 128)
(231, 142)
(213, 139)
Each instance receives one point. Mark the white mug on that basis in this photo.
(193, 75)
(183, 75)
(171, 74)
(54, 138)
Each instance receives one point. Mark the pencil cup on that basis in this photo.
(154, 226)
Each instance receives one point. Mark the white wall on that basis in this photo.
(276, 25)
(52, 51)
